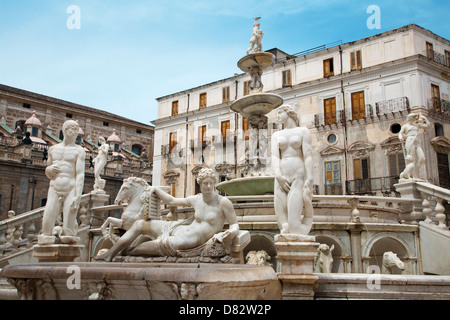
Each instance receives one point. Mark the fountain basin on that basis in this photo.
(143, 281)
(256, 104)
(248, 186)
(261, 60)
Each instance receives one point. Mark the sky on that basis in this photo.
(120, 55)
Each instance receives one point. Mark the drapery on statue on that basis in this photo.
(412, 151)
(65, 170)
(292, 166)
(256, 38)
(196, 235)
(99, 164)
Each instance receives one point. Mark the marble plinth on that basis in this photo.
(57, 252)
(297, 253)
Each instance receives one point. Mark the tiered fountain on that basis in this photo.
(255, 106)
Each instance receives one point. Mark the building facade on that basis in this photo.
(354, 98)
(23, 184)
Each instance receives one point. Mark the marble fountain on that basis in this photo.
(160, 259)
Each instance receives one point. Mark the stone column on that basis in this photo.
(297, 253)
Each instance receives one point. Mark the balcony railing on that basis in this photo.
(438, 57)
(392, 105)
(333, 189)
(439, 107)
(380, 108)
(371, 185)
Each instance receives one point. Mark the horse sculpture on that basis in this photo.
(141, 205)
(390, 261)
(324, 260)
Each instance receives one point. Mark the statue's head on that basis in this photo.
(205, 173)
(290, 111)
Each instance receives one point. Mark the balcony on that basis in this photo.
(392, 106)
(439, 107)
(370, 186)
(438, 57)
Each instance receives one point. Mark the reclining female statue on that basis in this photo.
(172, 238)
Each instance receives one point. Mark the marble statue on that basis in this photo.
(324, 259)
(409, 136)
(256, 38)
(256, 84)
(99, 164)
(292, 166)
(197, 235)
(137, 191)
(390, 261)
(65, 169)
(259, 258)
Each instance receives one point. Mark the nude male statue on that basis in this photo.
(211, 212)
(66, 173)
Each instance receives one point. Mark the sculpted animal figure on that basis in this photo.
(137, 191)
(258, 258)
(390, 261)
(324, 259)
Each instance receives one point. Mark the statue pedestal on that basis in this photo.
(57, 252)
(412, 211)
(98, 199)
(297, 253)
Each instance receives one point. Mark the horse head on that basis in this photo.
(131, 187)
(325, 258)
(390, 260)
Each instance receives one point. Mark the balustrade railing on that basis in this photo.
(439, 107)
(367, 186)
(392, 105)
(432, 194)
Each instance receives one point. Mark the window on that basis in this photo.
(247, 87)
(174, 108)
(172, 141)
(172, 188)
(436, 98)
(287, 78)
(430, 53)
(225, 128)
(202, 100)
(328, 68)
(106, 124)
(34, 131)
(361, 168)
(245, 128)
(443, 170)
(137, 149)
(355, 60)
(447, 58)
(358, 106)
(396, 164)
(331, 138)
(225, 94)
(329, 106)
(438, 130)
(69, 115)
(26, 105)
(138, 131)
(202, 135)
(332, 177)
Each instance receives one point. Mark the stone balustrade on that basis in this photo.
(432, 194)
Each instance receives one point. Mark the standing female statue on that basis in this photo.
(292, 165)
(99, 164)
